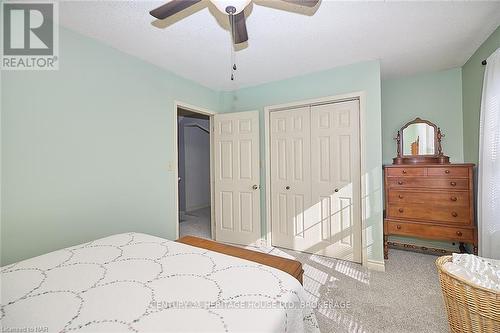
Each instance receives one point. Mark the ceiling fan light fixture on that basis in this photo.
(238, 5)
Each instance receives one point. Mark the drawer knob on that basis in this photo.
(446, 171)
(287, 187)
(400, 196)
(398, 227)
(453, 183)
(454, 214)
(404, 171)
(459, 233)
(453, 198)
(401, 210)
(400, 182)
(336, 190)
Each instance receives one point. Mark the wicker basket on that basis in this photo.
(470, 308)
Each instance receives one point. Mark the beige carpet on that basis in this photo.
(406, 298)
(195, 223)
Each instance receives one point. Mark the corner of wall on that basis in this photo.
(472, 85)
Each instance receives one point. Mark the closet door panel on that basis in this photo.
(335, 179)
(279, 175)
(290, 175)
(315, 180)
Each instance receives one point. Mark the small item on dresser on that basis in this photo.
(426, 196)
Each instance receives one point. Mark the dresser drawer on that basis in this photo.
(430, 231)
(458, 215)
(448, 199)
(432, 183)
(405, 172)
(448, 172)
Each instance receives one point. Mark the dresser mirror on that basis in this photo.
(419, 141)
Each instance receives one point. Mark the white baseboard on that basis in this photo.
(261, 242)
(376, 265)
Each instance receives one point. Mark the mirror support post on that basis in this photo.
(439, 136)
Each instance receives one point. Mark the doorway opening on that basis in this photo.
(194, 192)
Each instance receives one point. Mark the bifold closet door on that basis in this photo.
(290, 177)
(315, 180)
(336, 179)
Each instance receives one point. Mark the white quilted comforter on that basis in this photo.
(140, 283)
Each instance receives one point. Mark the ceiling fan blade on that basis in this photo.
(307, 3)
(171, 8)
(239, 27)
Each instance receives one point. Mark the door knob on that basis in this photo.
(336, 190)
(287, 187)
(255, 187)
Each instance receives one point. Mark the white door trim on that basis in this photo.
(210, 114)
(361, 95)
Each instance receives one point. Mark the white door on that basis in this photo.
(290, 177)
(327, 220)
(237, 177)
(336, 179)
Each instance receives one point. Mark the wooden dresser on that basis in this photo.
(430, 201)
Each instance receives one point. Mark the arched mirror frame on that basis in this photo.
(437, 158)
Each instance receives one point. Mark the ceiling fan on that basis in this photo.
(232, 8)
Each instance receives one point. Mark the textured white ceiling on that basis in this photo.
(407, 37)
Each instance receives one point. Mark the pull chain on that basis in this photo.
(233, 53)
(233, 69)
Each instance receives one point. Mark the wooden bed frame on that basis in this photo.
(292, 267)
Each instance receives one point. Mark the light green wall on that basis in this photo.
(86, 149)
(472, 78)
(433, 96)
(353, 78)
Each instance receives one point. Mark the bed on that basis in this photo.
(141, 283)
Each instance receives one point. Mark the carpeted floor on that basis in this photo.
(195, 223)
(406, 298)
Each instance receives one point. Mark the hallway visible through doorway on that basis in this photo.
(194, 173)
(196, 223)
